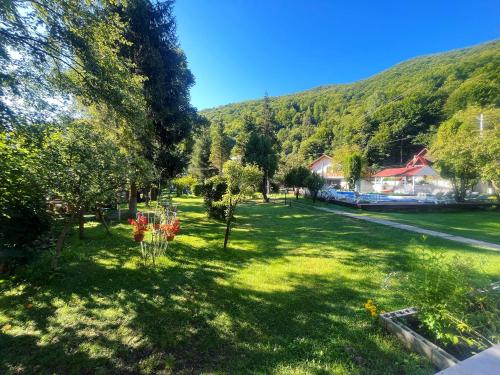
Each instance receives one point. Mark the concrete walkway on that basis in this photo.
(412, 228)
(485, 363)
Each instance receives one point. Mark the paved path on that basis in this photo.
(412, 228)
(486, 362)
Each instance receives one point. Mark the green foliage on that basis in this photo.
(455, 149)
(220, 147)
(353, 166)
(23, 214)
(314, 183)
(259, 150)
(81, 166)
(197, 189)
(213, 190)
(66, 47)
(386, 116)
(296, 177)
(200, 166)
(453, 299)
(183, 184)
(489, 149)
(154, 49)
(242, 181)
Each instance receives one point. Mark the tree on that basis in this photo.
(220, 148)
(65, 47)
(296, 177)
(353, 166)
(259, 150)
(200, 166)
(455, 149)
(241, 180)
(267, 122)
(23, 214)
(314, 182)
(488, 151)
(154, 49)
(83, 168)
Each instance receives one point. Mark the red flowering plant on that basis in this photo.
(170, 230)
(140, 226)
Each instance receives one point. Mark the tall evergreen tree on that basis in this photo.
(267, 124)
(220, 148)
(156, 53)
(260, 151)
(200, 166)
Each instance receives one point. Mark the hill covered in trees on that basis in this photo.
(386, 117)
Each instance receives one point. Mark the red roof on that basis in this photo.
(416, 164)
(398, 172)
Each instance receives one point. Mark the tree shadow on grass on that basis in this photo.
(192, 314)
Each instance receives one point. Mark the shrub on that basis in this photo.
(183, 184)
(454, 300)
(197, 189)
(214, 189)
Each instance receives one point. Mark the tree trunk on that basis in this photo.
(60, 241)
(147, 196)
(81, 224)
(229, 217)
(296, 193)
(226, 235)
(132, 199)
(101, 217)
(152, 193)
(264, 190)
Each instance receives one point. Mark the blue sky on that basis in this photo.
(238, 49)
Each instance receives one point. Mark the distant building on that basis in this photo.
(417, 176)
(325, 167)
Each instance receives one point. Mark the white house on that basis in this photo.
(325, 167)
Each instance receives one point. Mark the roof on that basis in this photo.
(320, 158)
(417, 166)
(407, 172)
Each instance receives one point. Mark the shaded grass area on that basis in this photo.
(479, 224)
(287, 298)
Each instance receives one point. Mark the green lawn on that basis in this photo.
(286, 299)
(478, 224)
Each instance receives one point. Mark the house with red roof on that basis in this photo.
(417, 176)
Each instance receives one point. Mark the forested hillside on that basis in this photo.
(387, 117)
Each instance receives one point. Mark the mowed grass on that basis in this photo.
(287, 298)
(480, 224)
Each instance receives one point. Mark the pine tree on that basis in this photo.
(260, 151)
(220, 148)
(200, 166)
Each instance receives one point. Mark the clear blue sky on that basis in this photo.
(238, 49)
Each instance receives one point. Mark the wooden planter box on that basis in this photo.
(414, 341)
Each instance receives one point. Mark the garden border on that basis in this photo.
(414, 341)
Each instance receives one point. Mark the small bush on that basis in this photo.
(197, 189)
(214, 189)
(183, 184)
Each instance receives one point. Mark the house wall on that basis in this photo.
(321, 167)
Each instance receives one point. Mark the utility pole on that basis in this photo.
(481, 118)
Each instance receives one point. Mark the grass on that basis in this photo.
(482, 224)
(287, 298)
